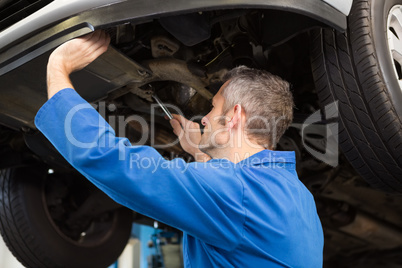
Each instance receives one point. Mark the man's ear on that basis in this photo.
(236, 118)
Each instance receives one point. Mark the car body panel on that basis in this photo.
(62, 9)
(41, 31)
(343, 6)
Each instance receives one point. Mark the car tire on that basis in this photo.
(356, 69)
(34, 238)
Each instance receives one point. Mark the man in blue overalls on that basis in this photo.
(240, 204)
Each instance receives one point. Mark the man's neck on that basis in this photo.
(239, 148)
(236, 155)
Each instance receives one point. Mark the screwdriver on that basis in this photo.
(169, 115)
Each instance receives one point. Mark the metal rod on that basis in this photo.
(169, 115)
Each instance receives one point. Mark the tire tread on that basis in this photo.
(345, 69)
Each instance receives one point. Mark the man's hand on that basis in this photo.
(72, 56)
(189, 134)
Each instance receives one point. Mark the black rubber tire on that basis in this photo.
(33, 238)
(356, 69)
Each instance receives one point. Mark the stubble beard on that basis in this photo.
(211, 148)
(205, 145)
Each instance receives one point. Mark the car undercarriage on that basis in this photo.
(182, 59)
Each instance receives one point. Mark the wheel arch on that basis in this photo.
(36, 35)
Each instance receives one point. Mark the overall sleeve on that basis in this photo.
(202, 199)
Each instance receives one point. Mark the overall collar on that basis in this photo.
(265, 158)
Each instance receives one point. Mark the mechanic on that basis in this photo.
(241, 205)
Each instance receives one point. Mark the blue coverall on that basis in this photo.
(255, 213)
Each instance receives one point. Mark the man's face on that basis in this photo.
(215, 134)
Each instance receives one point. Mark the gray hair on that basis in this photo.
(266, 100)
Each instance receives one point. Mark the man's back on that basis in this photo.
(281, 226)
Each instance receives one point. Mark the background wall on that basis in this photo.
(7, 260)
